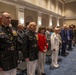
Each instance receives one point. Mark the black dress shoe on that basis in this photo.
(43, 74)
(64, 55)
(53, 68)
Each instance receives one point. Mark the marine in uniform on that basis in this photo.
(20, 33)
(8, 47)
(30, 49)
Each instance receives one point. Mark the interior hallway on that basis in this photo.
(67, 66)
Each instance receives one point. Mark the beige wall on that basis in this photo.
(54, 21)
(45, 20)
(60, 8)
(9, 8)
(40, 3)
(32, 1)
(51, 5)
(43, 3)
(61, 21)
(30, 15)
(69, 22)
(70, 9)
(70, 13)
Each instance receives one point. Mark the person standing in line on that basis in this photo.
(70, 35)
(74, 39)
(55, 42)
(8, 46)
(20, 33)
(30, 48)
(42, 47)
(64, 38)
(47, 33)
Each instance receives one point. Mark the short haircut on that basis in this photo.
(5, 13)
(41, 28)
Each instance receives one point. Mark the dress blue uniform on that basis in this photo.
(8, 48)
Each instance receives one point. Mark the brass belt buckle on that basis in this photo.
(12, 47)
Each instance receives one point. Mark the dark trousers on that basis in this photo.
(49, 45)
(59, 52)
(63, 52)
(69, 44)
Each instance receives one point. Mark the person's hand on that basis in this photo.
(54, 50)
(27, 59)
(45, 51)
(63, 41)
(18, 61)
(69, 39)
(60, 44)
(0, 69)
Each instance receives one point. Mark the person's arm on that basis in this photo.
(62, 35)
(40, 44)
(53, 42)
(46, 43)
(0, 62)
(25, 46)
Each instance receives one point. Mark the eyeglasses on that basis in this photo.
(8, 17)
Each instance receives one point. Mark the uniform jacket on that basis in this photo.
(20, 39)
(63, 34)
(70, 34)
(8, 48)
(30, 46)
(55, 41)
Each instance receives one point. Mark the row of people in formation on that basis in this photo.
(33, 46)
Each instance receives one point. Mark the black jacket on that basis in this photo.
(20, 39)
(8, 48)
(30, 47)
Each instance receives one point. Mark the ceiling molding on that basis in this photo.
(23, 4)
(70, 18)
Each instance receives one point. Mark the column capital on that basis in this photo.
(51, 16)
(21, 9)
(39, 13)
